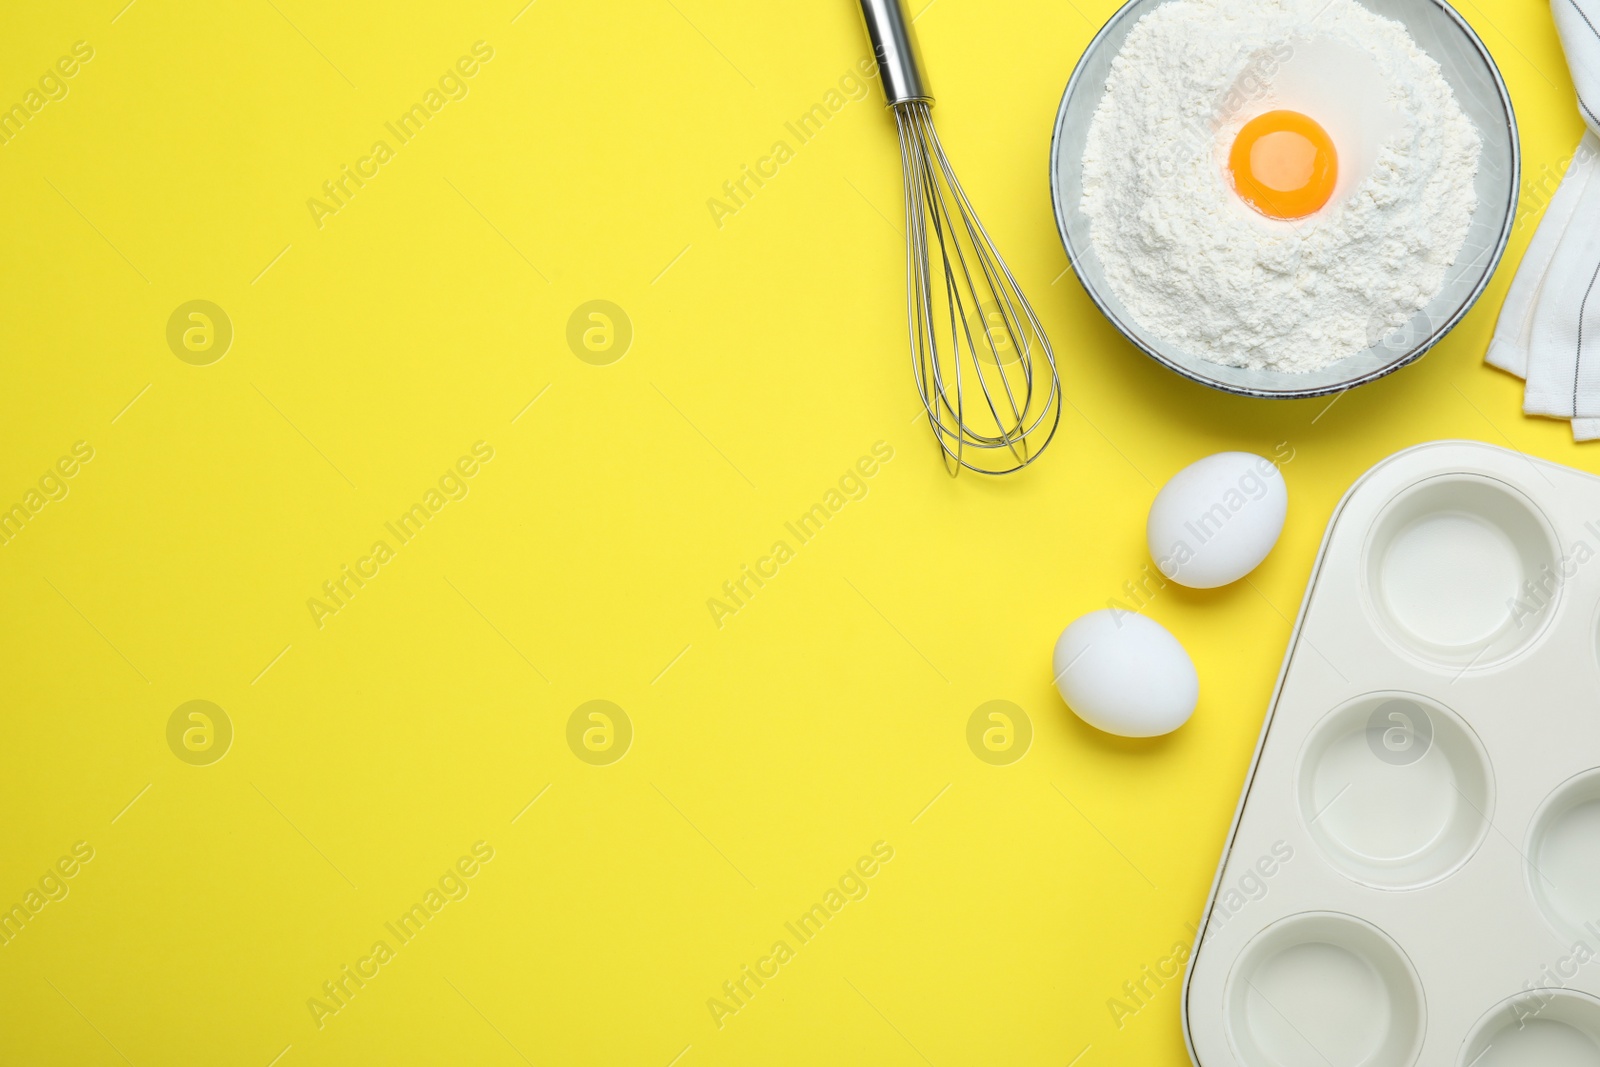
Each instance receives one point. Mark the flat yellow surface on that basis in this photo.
(424, 713)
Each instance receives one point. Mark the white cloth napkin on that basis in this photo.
(1549, 328)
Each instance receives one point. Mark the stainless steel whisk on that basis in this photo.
(969, 322)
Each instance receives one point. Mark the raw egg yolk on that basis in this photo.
(1284, 165)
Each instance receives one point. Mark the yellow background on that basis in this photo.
(768, 355)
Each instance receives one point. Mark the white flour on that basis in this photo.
(1195, 265)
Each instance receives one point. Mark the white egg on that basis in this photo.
(1125, 674)
(1217, 519)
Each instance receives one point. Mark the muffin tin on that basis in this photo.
(1413, 873)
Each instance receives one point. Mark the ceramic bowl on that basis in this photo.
(1466, 64)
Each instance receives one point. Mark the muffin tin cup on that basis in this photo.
(1463, 570)
(1395, 790)
(1563, 857)
(1322, 986)
(1413, 873)
(1552, 1027)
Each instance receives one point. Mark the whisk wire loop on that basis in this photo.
(971, 324)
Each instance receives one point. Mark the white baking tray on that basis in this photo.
(1413, 872)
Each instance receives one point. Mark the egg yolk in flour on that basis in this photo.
(1284, 165)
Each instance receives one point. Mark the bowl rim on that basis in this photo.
(1416, 353)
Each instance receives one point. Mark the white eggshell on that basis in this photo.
(1217, 519)
(1125, 674)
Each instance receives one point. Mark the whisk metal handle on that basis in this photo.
(899, 61)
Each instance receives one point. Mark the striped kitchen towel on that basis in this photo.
(1549, 329)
